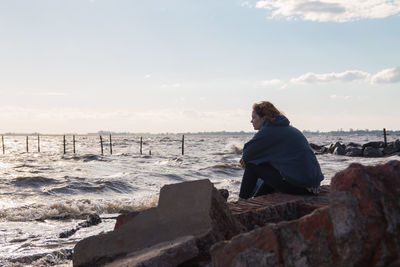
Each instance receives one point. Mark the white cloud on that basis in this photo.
(147, 76)
(346, 76)
(172, 85)
(246, 4)
(330, 10)
(345, 97)
(273, 82)
(387, 76)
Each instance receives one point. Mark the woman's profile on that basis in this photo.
(279, 154)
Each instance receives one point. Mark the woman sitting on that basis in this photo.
(280, 155)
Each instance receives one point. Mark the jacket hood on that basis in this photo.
(280, 120)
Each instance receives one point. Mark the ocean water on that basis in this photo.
(44, 194)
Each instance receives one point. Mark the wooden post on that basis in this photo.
(150, 152)
(110, 145)
(141, 145)
(2, 142)
(38, 144)
(183, 144)
(27, 145)
(64, 144)
(101, 144)
(73, 143)
(384, 136)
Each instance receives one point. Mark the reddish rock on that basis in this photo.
(360, 227)
(276, 207)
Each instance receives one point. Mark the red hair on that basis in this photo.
(266, 110)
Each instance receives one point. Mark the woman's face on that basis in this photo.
(256, 120)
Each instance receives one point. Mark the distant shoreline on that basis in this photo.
(338, 132)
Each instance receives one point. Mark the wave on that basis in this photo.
(86, 157)
(74, 209)
(227, 168)
(95, 187)
(33, 181)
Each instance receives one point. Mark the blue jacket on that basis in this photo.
(287, 150)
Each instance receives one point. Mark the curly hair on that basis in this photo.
(267, 110)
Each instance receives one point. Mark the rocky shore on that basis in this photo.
(353, 222)
(370, 149)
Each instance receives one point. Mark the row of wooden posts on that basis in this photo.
(73, 145)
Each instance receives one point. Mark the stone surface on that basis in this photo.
(353, 152)
(124, 218)
(359, 227)
(372, 152)
(190, 208)
(276, 207)
(165, 254)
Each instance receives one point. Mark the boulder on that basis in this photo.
(187, 209)
(353, 151)
(372, 152)
(352, 144)
(390, 149)
(339, 151)
(360, 227)
(374, 144)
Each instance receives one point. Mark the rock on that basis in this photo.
(374, 144)
(360, 227)
(276, 207)
(170, 253)
(353, 151)
(397, 144)
(92, 219)
(124, 218)
(391, 148)
(186, 209)
(372, 152)
(339, 151)
(224, 193)
(352, 144)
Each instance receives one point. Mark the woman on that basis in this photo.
(279, 154)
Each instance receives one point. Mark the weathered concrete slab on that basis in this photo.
(190, 208)
(165, 254)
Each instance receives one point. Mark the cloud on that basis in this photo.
(346, 76)
(387, 76)
(330, 10)
(147, 76)
(246, 4)
(172, 85)
(273, 82)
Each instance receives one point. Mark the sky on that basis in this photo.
(79, 66)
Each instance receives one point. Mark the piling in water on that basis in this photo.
(27, 145)
(384, 136)
(110, 145)
(141, 145)
(38, 144)
(73, 143)
(64, 144)
(101, 145)
(2, 143)
(183, 144)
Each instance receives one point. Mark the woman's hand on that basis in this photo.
(242, 163)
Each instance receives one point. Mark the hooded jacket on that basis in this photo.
(287, 150)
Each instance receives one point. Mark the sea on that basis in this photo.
(43, 194)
